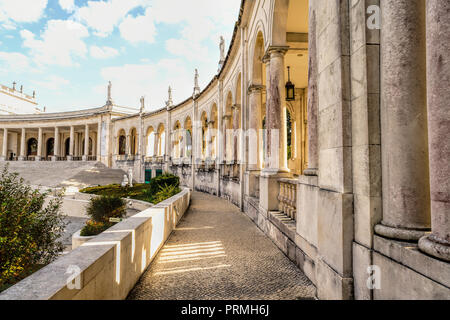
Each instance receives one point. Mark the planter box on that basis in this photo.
(78, 240)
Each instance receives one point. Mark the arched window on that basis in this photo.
(32, 147)
(122, 145)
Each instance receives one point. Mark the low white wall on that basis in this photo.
(108, 266)
(75, 205)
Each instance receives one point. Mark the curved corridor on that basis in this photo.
(217, 252)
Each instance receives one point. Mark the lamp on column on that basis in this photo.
(290, 87)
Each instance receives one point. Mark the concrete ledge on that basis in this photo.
(108, 266)
(408, 254)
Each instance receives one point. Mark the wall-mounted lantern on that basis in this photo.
(290, 88)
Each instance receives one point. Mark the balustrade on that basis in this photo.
(288, 197)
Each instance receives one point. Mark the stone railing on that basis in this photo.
(288, 197)
(107, 267)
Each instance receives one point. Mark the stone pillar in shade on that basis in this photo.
(438, 78)
(276, 152)
(86, 143)
(56, 146)
(5, 144)
(99, 141)
(71, 143)
(235, 136)
(155, 144)
(23, 145)
(406, 197)
(313, 101)
(39, 148)
(254, 152)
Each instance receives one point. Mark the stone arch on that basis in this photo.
(150, 142)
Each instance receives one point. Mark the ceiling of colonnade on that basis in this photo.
(297, 57)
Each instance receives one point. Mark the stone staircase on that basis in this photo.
(76, 174)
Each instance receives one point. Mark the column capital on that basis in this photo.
(276, 50)
(255, 88)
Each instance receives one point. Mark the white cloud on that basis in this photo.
(103, 52)
(14, 61)
(151, 80)
(67, 5)
(61, 41)
(103, 16)
(191, 50)
(52, 82)
(22, 10)
(138, 29)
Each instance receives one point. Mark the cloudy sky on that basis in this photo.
(67, 50)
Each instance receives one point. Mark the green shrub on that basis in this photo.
(165, 193)
(102, 208)
(93, 228)
(160, 182)
(29, 232)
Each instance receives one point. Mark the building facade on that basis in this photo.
(328, 124)
(15, 101)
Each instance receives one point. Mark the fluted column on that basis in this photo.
(406, 198)
(39, 148)
(276, 151)
(254, 143)
(5, 145)
(23, 145)
(438, 78)
(86, 143)
(71, 143)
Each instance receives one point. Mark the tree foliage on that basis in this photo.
(30, 232)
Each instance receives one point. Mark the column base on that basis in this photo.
(69, 158)
(2, 158)
(21, 158)
(54, 158)
(431, 246)
(400, 233)
(37, 158)
(84, 158)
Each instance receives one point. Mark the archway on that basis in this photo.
(50, 147)
(32, 147)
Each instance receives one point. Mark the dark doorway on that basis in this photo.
(32, 147)
(67, 147)
(50, 147)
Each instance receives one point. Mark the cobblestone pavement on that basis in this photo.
(217, 252)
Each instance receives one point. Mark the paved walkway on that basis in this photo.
(218, 253)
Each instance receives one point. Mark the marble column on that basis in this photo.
(71, 143)
(438, 78)
(56, 148)
(313, 102)
(39, 148)
(155, 145)
(5, 145)
(406, 197)
(86, 143)
(235, 136)
(99, 140)
(276, 151)
(128, 146)
(23, 145)
(254, 143)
